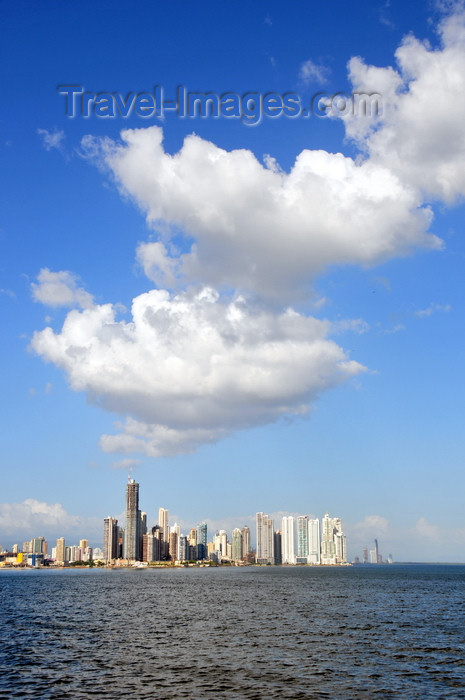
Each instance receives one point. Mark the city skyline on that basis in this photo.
(250, 314)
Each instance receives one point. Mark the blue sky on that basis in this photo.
(246, 334)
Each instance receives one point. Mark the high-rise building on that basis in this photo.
(302, 536)
(110, 538)
(163, 517)
(246, 546)
(192, 537)
(265, 539)
(277, 545)
(61, 550)
(314, 541)
(220, 541)
(236, 545)
(287, 540)
(132, 538)
(37, 545)
(202, 534)
(83, 544)
(182, 548)
(173, 545)
(333, 541)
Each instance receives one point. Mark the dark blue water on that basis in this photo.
(270, 632)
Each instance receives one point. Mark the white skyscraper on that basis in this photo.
(163, 516)
(265, 544)
(333, 541)
(287, 540)
(314, 541)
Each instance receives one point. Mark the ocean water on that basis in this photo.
(254, 632)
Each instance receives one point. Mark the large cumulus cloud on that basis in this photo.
(189, 369)
(253, 227)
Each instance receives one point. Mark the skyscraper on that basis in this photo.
(287, 540)
(265, 540)
(110, 538)
(277, 544)
(236, 542)
(202, 541)
(333, 541)
(314, 541)
(302, 537)
(163, 517)
(246, 547)
(61, 550)
(132, 539)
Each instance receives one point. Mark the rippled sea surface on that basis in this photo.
(254, 632)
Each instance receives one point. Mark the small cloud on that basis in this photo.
(396, 329)
(356, 325)
(51, 139)
(48, 388)
(60, 289)
(384, 15)
(311, 72)
(425, 529)
(384, 282)
(372, 525)
(127, 464)
(8, 293)
(267, 20)
(433, 308)
(32, 392)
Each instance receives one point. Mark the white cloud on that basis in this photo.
(191, 368)
(311, 72)
(425, 529)
(51, 139)
(33, 518)
(433, 308)
(128, 464)
(371, 526)
(60, 289)
(419, 136)
(255, 228)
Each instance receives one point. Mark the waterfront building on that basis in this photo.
(333, 541)
(287, 540)
(38, 545)
(132, 539)
(277, 546)
(110, 538)
(220, 542)
(173, 545)
(61, 550)
(265, 539)
(83, 544)
(302, 536)
(176, 529)
(246, 546)
(314, 541)
(236, 545)
(182, 548)
(202, 534)
(163, 517)
(192, 537)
